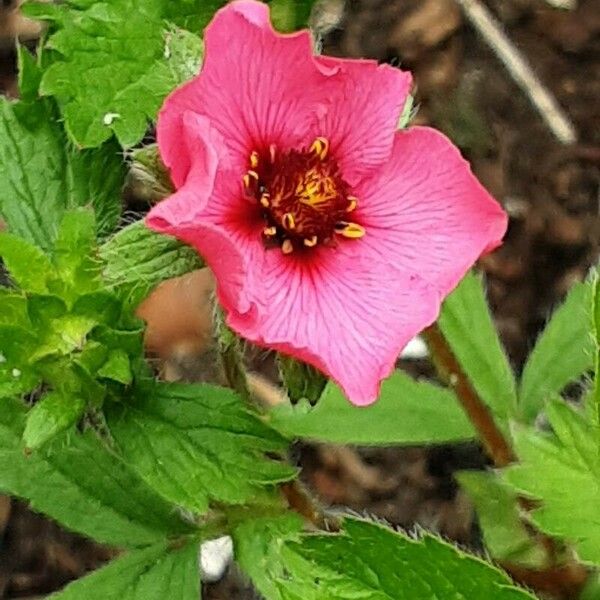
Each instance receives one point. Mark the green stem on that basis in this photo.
(230, 352)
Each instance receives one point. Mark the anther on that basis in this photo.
(320, 147)
(248, 177)
(272, 152)
(352, 203)
(265, 200)
(288, 221)
(254, 159)
(311, 242)
(270, 231)
(349, 230)
(287, 247)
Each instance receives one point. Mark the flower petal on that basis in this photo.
(347, 317)
(193, 213)
(426, 213)
(256, 87)
(360, 113)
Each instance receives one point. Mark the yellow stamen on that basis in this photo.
(248, 176)
(270, 231)
(287, 247)
(350, 230)
(352, 203)
(311, 242)
(288, 221)
(264, 200)
(320, 147)
(254, 159)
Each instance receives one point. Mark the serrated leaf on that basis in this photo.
(184, 51)
(63, 335)
(78, 482)
(75, 266)
(369, 561)
(166, 570)
(112, 73)
(27, 265)
(29, 73)
(505, 535)
(258, 544)
(197, 443)
(562, 353)
(467, 325)
(51, 415)
(117, 367)
(96, 178)
(407, 412)
(103, 306)
(41, 176)
(137, 259)
(13, 308)
(563, 472)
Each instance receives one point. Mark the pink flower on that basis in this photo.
(333, 237)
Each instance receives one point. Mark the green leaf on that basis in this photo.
(192, 14)
(373, 562)
(562, 353)
(78, 482)
(111, 74)
(301, 381)
(41, 176)
(563, 472)
(30, 75)
(165, 570)
(52, 415)
(76, 267)
(596, 328)
(184, 50)
(466, 323)
(407, 412)
(137, 259)
(62, 335)
(96, 178)
(117, 367)
(197, 443)
(28, 266)
(13, 308)
(290, 15)
(506, 537)
(102, 306)
(258, 545)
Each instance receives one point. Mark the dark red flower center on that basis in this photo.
(303, 197)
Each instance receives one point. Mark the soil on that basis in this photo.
(551, 191)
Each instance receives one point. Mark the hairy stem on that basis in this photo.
(298, 497)
(492, 438)
(301, 501)
(230, 352)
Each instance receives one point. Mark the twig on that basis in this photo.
(516, 64)
(492, 438)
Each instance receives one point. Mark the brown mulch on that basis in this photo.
(550, 191)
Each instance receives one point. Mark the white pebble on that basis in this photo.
(215, 556)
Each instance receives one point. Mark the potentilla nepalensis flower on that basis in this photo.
(333, 237)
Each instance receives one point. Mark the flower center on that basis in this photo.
(303, 197)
